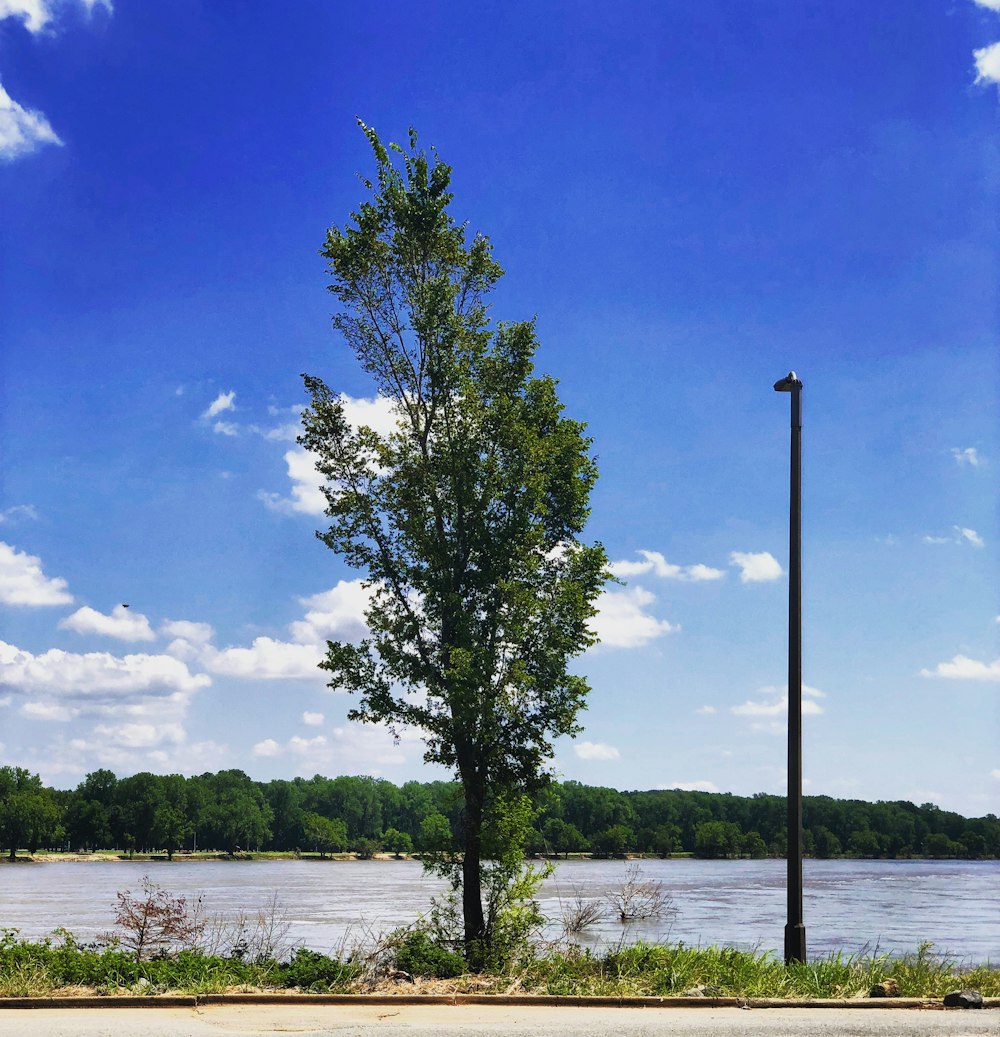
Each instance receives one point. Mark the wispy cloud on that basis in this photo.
(48, 711)
(756, 567)
(655, 564)
(961, 667)
(960, 535)
(706, 710)
(691, 786)
(19, 513)
(344, 749)
(223, 402)
(770, 712)
(967, 456)
(197, 633)
(22, 581)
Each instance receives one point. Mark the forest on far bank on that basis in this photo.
(230, 812)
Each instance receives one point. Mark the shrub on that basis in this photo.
(310, 970)
(419, 955)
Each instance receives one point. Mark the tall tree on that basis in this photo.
(28, 810)
(465, 518)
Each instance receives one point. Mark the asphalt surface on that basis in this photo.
(489, 1021)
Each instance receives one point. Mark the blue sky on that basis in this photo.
(693, 197)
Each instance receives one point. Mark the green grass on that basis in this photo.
(665, 971)
(60, 965)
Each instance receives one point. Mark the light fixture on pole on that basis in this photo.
(795, 930)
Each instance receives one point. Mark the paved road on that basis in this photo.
(489, 1021)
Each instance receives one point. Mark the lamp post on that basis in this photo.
(795, 930)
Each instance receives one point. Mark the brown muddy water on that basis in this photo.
(888, 906)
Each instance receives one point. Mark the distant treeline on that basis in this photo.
(229, 812)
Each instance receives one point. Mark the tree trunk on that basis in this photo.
(472, 899)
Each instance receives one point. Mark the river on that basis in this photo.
(889, 906)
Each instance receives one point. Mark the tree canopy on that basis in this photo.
(466, 517)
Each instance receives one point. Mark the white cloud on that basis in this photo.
(306, 497)
(990, 5)
(313, 719)
(771, 711)
(226, 428)
(350, 749)
(691, 786)
(596, 751)
(121, 623)
(190, 757)
(19, 512)
(47, 711)
(334, 615)
(306, 746)
(769, 727)
(961, 667)
(286, 433)
(22, 130)
(378, 414)
(139, 736)
(995, 774)
(968, 456)
(140, 703)
(37, 14)
(756, 567)
(95, 677)
(961, 535)
(221, 403)
(196, 633)
(267, 659)
(22, 581)
(622, 622)
(654, 562)
(706, 710)
(988, 63)
(775, 708)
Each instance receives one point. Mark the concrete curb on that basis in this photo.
(499, 1000)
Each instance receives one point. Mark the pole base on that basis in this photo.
(795, 942)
